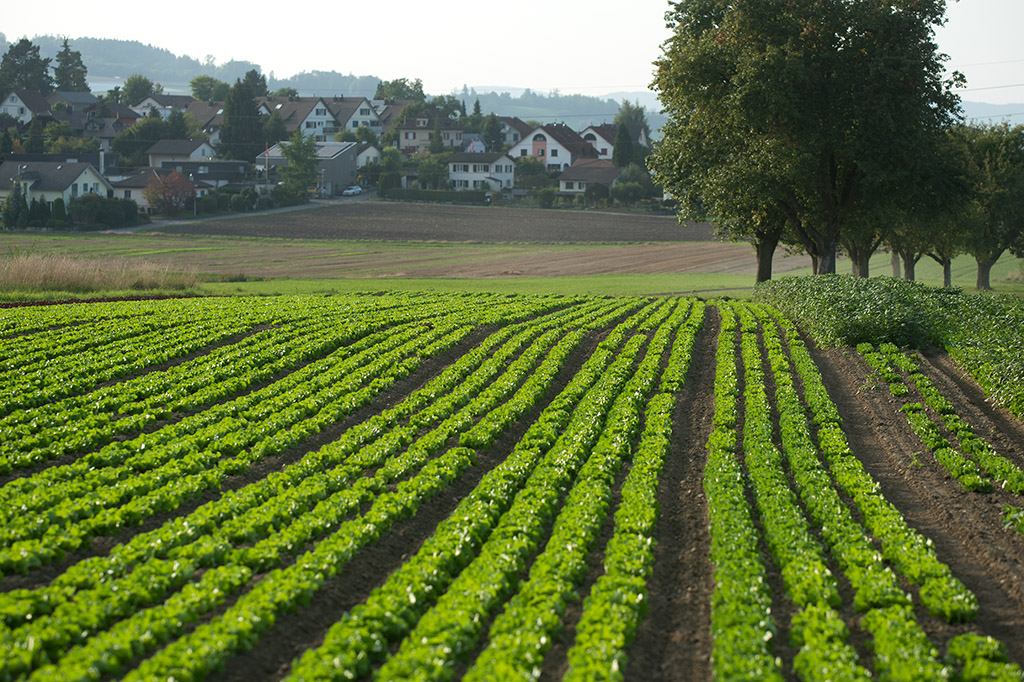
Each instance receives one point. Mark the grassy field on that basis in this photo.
(224, 265)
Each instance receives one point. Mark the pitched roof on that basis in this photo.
(471, 157)
(324, 150)
(75, 99)
(208, 114)
(603, 173)
(175, 146)
(569, 138)
(516, 123)
(174, 101)
(32, 99)
(48, 175)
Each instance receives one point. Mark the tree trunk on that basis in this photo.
(765, 249)
(984, 273)
(894, 259)
(828, 244)
(909, 268)
(861, 260)
(947, 273)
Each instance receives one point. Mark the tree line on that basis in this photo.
(832, 127)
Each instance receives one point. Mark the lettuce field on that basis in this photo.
(492, 487)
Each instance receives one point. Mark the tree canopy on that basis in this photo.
(242, 134)
(812, 113)
(401, 88)
(22, 68)
(209, 89)
(137, 87)
(70, 72)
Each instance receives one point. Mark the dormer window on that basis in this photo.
(539, 138)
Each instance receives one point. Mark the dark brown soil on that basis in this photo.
(966, 527)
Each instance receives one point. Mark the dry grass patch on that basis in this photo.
(61, 272)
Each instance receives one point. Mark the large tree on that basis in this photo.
(137, 87)
(633, 116)
(996, 155)
(70, 73)
(242, 132)
(23, 69)
(209, 89)
(827, 106)
(303, 166)
(401, 88)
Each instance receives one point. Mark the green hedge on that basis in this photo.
(980, 331)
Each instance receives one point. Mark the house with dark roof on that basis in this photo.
(388, 110)
(72, 101)
(132, 186)
(210, 117)
(557, 145)
(311, 115)
(178, 150)
(575, 179)
(50, 180)
(602, 138)
(351, 113)
(22, 105)
(514, 129)
(163, 104)
(417, 133)
(470, 170)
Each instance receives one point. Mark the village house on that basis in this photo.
(602, 138)
(179, 150)
(494, 170)
(49, 180)
(22, 105)
(162, 104)
(351, 113)
(557, 145)
(514, 129)
(575, 180)
(311, 115)
(417, 134)
(132, 187)
(336, 164)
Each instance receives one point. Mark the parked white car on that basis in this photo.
(352, 191)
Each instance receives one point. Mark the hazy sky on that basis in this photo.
(592, 47)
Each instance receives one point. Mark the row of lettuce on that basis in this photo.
(484, 596)
(238, 562)
(815, 540)
(982, 332)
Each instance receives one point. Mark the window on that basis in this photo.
(309, 124)
(127, 194)
(539, 138)
(540, 152)
(410, 136)
(522, 152)
(515, 137)
(604, 151)
(364, 112)
(355, 124)
(568, 184)
(74, 189)
(554, 152)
